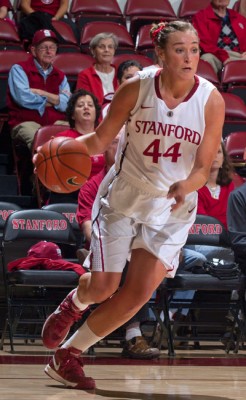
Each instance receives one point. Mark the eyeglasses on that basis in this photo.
(48, 48)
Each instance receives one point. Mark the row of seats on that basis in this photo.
(126, 24)
(232, 78)
(135, 13)
(33, 293)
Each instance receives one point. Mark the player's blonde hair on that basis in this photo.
(159, 33)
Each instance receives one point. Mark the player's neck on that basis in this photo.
(174, 93)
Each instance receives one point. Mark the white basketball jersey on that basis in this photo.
(159, 145)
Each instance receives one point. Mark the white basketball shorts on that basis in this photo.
(126, 218)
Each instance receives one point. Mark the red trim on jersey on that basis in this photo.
(101, 247)
(158, 72)
(190, 94)
(193, 90)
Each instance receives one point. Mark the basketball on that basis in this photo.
(63, 165)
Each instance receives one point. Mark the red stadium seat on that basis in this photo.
(139, 12)
(143, 60)
(9, 38)
(233, 78)
(91, 29)
(188, 8)
(206, 71)
(235, 144)
(84, 11)
(235, 114)
(71, 64)
(70, 42)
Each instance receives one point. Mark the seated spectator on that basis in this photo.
(4, 5)
(236, 219)
(83, 111)
(30, 104)
(213, 199)
(222, 33)
(100, 79)
(126, 70)
(38, 14)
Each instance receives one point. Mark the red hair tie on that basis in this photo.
(156, 32)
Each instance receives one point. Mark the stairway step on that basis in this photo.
(8, 185)
(4, 158)
(3, 169)
(22, 201)
(4, 164)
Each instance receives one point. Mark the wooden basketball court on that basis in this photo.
(205, 374)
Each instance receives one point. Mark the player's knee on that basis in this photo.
(92, 291)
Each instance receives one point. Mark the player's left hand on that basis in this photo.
(177, 192)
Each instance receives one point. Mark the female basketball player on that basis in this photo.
(147, 202)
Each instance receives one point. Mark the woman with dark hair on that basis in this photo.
(213, 197)
(83, 112)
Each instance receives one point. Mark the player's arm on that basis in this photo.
(26, 7)
(123, 102)
(62, 10)
(206, 153)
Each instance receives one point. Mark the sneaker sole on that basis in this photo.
(69, 385)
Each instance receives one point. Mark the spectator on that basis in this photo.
(222, 33)
(236, 219)
(100, 79)
(213, 200)
(38, 14)
(30, 104)
(213, 197)
(83, 111)
(4, 5)
(242, 7)
(126, 70)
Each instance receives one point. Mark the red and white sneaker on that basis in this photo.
(58, 324)
(66, 367)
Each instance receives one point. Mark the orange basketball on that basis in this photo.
(63, 165)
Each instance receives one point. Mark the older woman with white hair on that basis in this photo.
(100, 79)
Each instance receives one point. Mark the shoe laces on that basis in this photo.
(73, 364)
(69, 315)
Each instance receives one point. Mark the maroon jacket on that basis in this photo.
(18, 114)
(208, 26)
(38, 263)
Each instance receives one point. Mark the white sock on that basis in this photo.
(78, 303)
(133, 330)
(82, 339)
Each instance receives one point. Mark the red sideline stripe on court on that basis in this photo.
(209, 361)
